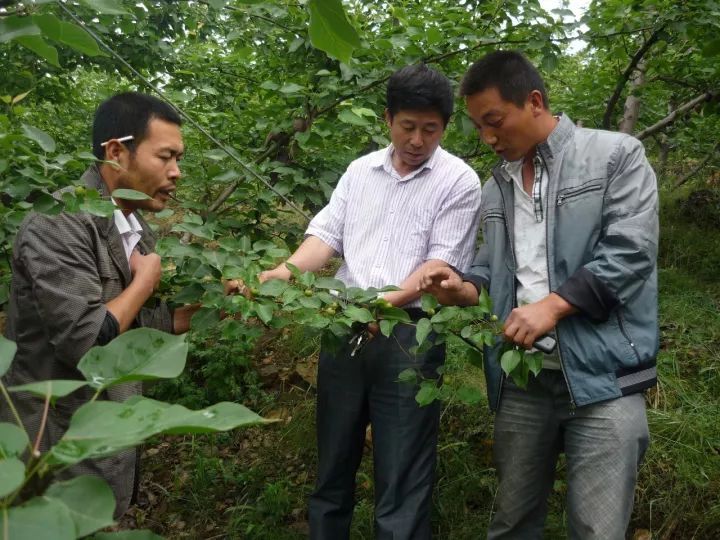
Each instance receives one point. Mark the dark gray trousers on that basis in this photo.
(604, 444)
(355, 391)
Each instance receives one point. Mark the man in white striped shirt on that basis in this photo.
(394, 214)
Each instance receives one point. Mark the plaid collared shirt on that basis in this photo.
(537, 188)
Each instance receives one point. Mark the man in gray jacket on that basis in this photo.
(570, 235)
(80, 280)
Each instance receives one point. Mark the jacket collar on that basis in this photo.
(549, 149)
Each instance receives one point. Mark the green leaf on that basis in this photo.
(408, 375)
(13, 440)
(12, 475)
(484, 301)
(534, 362)
(14, 27)
(136, 355)
(102, 428)
(45, 141)
(98, 207)
(106, 7)
(38, 519)
(330, 30)
(291, 88)
(359, 314)
(510, 360)
(330, 284)
(386, 327)
(470, 395)
(89, 500)
(273, 287)
(130, 195)
(349, 117)
(77, 38)
(428, 393)
(54, 388)
(40, 47)
(7, 353)
(428, 302)
(265, 312)
(424, 327)
(446, 314)
(394, 314)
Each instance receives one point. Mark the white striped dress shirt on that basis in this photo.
(385, 226)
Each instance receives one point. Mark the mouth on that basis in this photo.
(166, 193)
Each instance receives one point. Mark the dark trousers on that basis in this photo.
(355, 391)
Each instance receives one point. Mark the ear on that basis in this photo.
(388, 118)
(117, 153)
(535, 100)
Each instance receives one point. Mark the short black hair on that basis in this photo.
(508, 71)
(419, 88)
(128, 113)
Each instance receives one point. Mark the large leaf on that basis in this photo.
(102, 428)
(131, 195)
(7, 353)
(40, 47)
(13, 440)
(89, 500)
(15, 27)
(359, 314)
(510, 360)
(45, 141)
(38, 519)
(56, 388)
(330, 30)
(140, 354)
(12, 474)
(423, 329)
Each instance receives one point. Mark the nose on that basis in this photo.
(174, 173)
(416, 138)
(488, 137)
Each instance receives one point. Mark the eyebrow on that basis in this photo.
(172, 151)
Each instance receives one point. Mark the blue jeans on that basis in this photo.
(604, 444)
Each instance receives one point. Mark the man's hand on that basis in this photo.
(529, 322)
(146, 269)
(236, 286)
(279, 272)
(448, 288)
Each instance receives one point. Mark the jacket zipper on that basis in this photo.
(627, 336)
(568, 195)
(547, 262)
(514, 291)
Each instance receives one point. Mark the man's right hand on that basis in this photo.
(448, 287)
(146, 268)
(279, 272)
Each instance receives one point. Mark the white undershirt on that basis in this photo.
(530, 247)
(130, 231)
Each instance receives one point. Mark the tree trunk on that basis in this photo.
(632, 102)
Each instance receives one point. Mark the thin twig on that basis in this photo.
(43, 421)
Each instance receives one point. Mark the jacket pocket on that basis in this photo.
(578, 192)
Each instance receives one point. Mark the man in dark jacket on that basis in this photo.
(570, 235)
(80, 280)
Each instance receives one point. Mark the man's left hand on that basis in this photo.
(529, 322)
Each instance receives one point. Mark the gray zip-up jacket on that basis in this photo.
(601, 214)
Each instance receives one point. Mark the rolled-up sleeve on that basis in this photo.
(329, 224)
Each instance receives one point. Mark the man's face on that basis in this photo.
(153, 168)
(502, 125)
(415, 135)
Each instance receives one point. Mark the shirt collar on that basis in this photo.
(383, 159)
(126, 224)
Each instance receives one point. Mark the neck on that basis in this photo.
(110, 177)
